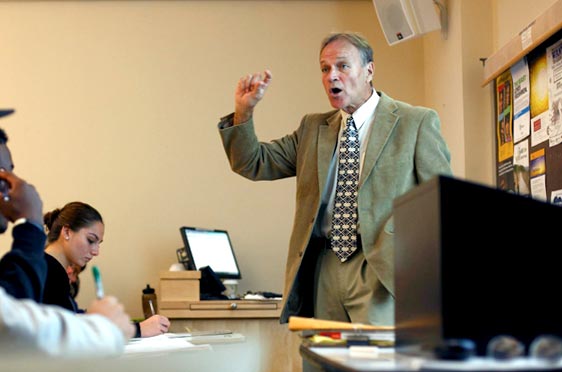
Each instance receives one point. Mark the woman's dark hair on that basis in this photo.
(75, 215)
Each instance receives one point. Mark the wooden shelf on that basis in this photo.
(179, 286)
(546, 25)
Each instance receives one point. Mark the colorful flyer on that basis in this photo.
(503, 126)
(539, 99)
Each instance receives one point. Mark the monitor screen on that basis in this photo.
(210, 247)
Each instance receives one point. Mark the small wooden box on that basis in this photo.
(179, 285)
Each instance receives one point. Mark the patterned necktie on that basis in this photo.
(344, 219)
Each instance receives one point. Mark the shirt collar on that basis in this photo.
(364, 112)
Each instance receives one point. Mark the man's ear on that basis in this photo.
(371, 70)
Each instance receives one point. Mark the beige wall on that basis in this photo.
(453, 84)
(512, 16)
(117, 104)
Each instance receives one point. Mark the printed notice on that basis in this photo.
(521, 105)
(556, 197)
(527, 37)
(538, 128)
(521, 167)
(538, 176)
(554, 70)
(538, 187)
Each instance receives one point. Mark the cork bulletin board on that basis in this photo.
(528, 124)
(526, 78)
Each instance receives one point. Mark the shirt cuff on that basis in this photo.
(226, 121)
(22, 220)
(137, 329)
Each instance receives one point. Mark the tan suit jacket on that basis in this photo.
(405, 148)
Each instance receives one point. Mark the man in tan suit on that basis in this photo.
(400, 147)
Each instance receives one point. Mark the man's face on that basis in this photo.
(6, 163)
(345, 79)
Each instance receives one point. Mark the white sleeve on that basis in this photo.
(27, 326)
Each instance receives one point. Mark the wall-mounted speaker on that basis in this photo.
(402, 20)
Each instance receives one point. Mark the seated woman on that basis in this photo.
(74, 235)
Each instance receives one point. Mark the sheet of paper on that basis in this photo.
(160, 344)
(554, 71)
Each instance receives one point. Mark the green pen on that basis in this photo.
(97, 281)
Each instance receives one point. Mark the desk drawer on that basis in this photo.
(221, 309)
(233, 305)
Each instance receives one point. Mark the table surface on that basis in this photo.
(219, 357)
(370, 359)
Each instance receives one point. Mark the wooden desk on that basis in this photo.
(222, 357)
(338, 359)
(272, 344)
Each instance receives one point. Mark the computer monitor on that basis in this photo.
(213, 248)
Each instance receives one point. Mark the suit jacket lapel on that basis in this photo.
(327, 140)
(384, 122)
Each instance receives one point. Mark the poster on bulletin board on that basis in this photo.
(504, 120)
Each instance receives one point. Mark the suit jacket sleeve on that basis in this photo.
(256, 160)
(23, 270)
(432, 155)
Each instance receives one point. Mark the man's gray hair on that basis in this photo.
(357, 40)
